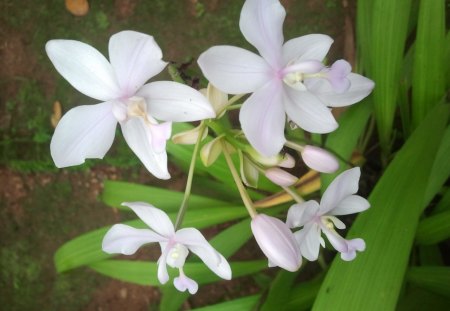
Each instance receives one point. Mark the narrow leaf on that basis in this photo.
(434, 229)
(435, 279)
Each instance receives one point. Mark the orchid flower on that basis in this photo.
(338, 199)
(287, 78)
(88, 131)
(175, 246)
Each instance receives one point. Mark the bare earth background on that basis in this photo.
(42, 207)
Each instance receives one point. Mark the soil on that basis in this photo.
(42, 207)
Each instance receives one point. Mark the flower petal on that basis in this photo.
(123, 239)
(309, 240)
(350, 205)
(234, 70)
(139, 137)
(341, 187)
(301, 213)
(261, 24)
(319, 159)
(83, 132)
(153, 217)
(306, 48)
(263, 119)
(183, 282)
(135, 57)
(194, 240)
(85, 68)
(360, 87)
(163, 275)
(308, 112)
(172, 101)
(276, 241)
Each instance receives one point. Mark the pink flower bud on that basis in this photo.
(280, 177)
(319, 159)
(277, 242)
(287, 162)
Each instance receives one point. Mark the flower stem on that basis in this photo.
(294, 194)
(242, 191)
(187, 191)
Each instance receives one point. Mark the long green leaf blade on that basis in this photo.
(435, 279)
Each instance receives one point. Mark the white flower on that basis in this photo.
(338, 199)
(175, 246)
(287, 78)
(88, 131)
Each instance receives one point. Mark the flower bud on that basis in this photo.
(280, 177)
(211, 151)
(249, 172)
(277, 242)
(189, 137)
(319, 159)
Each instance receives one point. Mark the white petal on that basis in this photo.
(261, 24)
(301, 213)
(341, 187)
(163, 275)
(194, 240)
(338, 242)
(160, 135)
(306, 48)
(123, 239)
(172, 101)
(83, 132)
(135, 57)
(350, 205)
(85, 68)
(234, 70)
(319, 159)
(277, 242)
(139, 137)
(263, 119)
(153, 217)
(308, 112)
(183, 283)
(309, 241)
(360, 87)
(353, 246)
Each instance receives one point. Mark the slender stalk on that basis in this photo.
(294, 195)
(187, 191)
(234, 99)
(242, 191)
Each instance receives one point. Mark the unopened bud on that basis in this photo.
(319, 159)
(211, 151)
(280, 177)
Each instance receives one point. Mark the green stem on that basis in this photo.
(187, 191)
(294, 195)
(242, 191)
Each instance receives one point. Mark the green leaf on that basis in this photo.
(416, 298)
(389, 31)
(435, 279)
(434, 229)
(86, 248)
(279, 291)
(117, 192)
(303, 295)
(429, 69)
(240, 304)
(374, 279)
(343, 141)
(145, 272)
(444, 203)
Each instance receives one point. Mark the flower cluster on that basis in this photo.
(288, 84)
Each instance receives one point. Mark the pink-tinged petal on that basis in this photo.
(160, 134)
(83, 132)
(280, 177)
(319, 159)
(263, 119)
(309, 240)
(353, 246)
(306, 48)
(85, 68)
(350, 205)
(139, 137)
(308, 112)
(288, 161)
(276, 241)
(337, 76)
(234, 70)
(153, 217)
(195, 242)
(135, 57)
(172, 101)
(341, 187)
(163, 275)
(301, 213)
(261, 24)
(360, 87)
(123, 239)
(183, 283)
